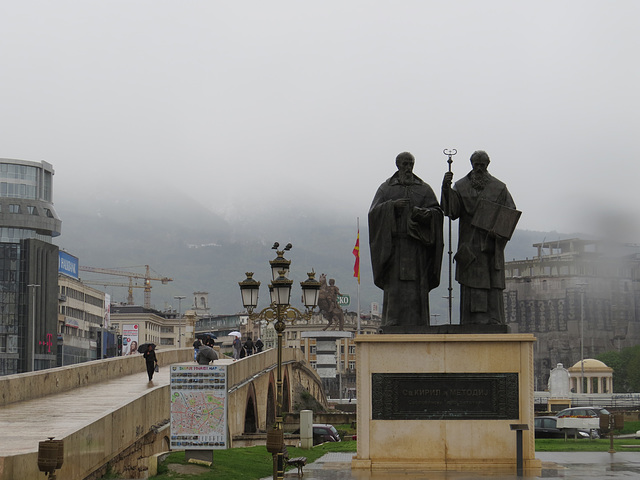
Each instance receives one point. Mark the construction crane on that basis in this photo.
(131, 286)
(131, 275)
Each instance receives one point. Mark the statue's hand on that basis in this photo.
(446, 181)
(401, 203)
(420, 214)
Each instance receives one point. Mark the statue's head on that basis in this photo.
(404, 158)
(405, 162)
(480, 160)
(332, 282)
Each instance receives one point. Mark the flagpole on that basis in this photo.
(358, 312)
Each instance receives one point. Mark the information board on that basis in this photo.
(198, 407)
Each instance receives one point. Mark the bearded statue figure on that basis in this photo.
(487, 217)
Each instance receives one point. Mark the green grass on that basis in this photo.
(631, 427)
(584, 445)
(249, 463)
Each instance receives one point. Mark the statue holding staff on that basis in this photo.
(488, 217)
(406, 241)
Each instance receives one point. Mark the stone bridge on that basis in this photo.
(108, 414)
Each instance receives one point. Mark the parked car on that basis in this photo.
(546, 427)
(583, 412)
(324, 432)
(586, 418)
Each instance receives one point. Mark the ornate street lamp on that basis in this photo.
(278, 311)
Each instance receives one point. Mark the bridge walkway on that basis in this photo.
(24, 424)
(107, 411)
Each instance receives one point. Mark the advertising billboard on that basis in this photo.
(129, 339)
(67, 264)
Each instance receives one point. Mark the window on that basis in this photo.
(352, 365)
(32, 210)
(313, 365)
(312, 350)
(13, 208)
(352, 349)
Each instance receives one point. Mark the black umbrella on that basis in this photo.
(144, 347)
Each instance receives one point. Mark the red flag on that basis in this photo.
(356, 252)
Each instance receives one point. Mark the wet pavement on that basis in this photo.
(555, 465)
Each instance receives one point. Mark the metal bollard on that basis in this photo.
(519, 427)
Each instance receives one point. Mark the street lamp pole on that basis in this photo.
(582, 285)
(278, 311)
(179, 298)
(33, 325)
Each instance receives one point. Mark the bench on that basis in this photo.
(297, 462)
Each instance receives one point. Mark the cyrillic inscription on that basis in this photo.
(447, 396)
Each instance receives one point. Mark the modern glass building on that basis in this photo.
(28, 267)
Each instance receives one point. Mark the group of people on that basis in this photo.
(406, 240)
(249, 347)
(203, 353)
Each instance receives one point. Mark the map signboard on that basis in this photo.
(198, 407)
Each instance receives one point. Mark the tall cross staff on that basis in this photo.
(450, 152)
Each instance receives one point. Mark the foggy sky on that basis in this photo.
(255, 103)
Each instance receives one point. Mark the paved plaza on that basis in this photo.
(560, 465)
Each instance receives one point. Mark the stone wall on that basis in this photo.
(26, 386)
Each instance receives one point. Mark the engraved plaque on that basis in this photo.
(444, 396)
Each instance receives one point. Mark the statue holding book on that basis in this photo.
(488, 218)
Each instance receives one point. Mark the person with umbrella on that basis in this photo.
(237, 345)
(151, 360)
(206, 354)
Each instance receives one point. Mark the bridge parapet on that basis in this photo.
(27, 386)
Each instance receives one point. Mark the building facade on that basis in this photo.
(28, 267)
(135, 323)
(81, 323)
(580, 298)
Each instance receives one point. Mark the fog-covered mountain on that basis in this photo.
(201, 251)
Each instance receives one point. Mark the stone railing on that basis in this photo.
(26, 386)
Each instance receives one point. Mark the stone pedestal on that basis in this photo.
(444, 402)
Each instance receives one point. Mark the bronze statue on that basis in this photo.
(328, 303)
(406, 242)
(488, 217)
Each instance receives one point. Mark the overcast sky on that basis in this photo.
(242, 102)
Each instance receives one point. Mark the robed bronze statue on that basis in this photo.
(406, 242)
(487, 218)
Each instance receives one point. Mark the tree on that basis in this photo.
(626, 368)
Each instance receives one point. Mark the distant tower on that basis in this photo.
(201, 303)
(29, 267)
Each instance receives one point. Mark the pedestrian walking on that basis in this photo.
(196, 346)
(151, 360)
(237, 347)
(259, 345)
(248, 346)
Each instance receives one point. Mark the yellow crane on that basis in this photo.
(131, 275)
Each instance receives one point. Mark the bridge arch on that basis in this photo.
(286, 391)
(271, 402)
(251, 411)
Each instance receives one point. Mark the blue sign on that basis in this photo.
(67, 264)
